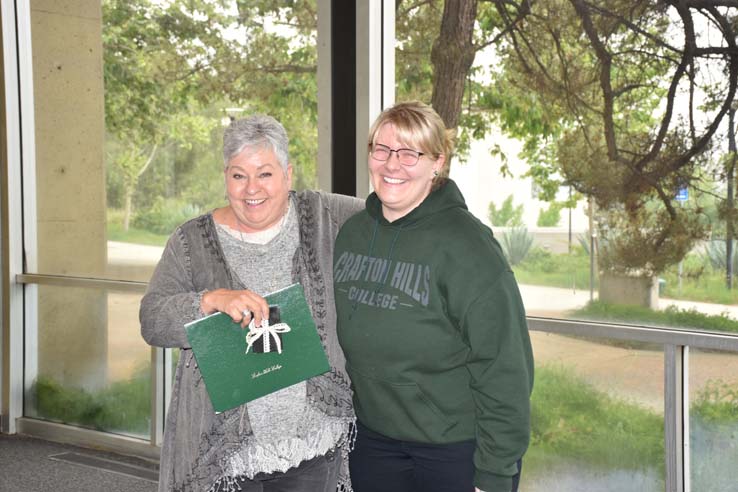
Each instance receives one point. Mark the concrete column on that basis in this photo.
(325, 99)
(375, 75)
(356, 80)
(624, 289)
(68, 93)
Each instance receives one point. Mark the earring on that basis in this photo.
(435, 173)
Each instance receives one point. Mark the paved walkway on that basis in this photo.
(538, 299)
(550, 301)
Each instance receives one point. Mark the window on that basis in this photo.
(130, 100)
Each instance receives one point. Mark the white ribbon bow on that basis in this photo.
(266, 331)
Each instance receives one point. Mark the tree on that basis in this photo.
(730, 209)
(597, 86)
(619, 72)
(507, 215)
(171, 69)
(551, 216)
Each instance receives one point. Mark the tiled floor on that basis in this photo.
(33, 465)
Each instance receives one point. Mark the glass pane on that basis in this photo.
(713, 420)
(559, 279)
(86, 363)
(598, 419)
(522, 177)
(137, 149)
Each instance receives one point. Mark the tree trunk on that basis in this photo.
(452, 56)
(730, 201)
(127, 210)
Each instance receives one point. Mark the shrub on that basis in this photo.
(584, 241)
(516, 244)
(549, 217)
(540, 260)
(717, 402)
(123, 406)
(165, 215)
(671, 316)
(715, 254)
(507, 215)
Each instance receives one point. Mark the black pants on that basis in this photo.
(381, 464)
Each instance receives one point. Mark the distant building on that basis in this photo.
(481, 182)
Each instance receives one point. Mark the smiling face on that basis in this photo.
(401, 188)
(257, 189)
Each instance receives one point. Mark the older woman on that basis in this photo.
(266, 238)
(432, 325)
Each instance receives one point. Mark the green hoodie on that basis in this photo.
(433, 328)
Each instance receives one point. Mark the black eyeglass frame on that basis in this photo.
(397, 152)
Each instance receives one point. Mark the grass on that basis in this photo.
(124, 406)
(716, 403)
(133, 235)
(708, 287)
(671, 317)
(573, 420)
(572, 271)
(554, 270)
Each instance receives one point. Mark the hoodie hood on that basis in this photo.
(444, 198)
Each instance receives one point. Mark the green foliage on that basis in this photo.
(541, 267)
(417, 25)
(584, 240)
(715, 253)
(710, 287)
(549, 217)
(716, 402)
(598, 130)
(516, 244)
(507, 215)
(172, 68)
(165, 215)
(571, 419)
(132, 235)
(123, 406)
(670, 317)
(647, 240)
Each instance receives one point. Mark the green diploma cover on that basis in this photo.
(233, 376)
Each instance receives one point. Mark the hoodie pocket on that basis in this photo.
(400, 410)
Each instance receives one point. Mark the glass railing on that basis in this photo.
(622, 407)
(615, 407)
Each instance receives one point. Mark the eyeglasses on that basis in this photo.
(407, 157)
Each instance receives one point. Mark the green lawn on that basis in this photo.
(572, 271)
(133, 235)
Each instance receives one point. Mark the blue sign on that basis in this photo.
(682, 195)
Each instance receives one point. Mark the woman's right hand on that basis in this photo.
(240, 305)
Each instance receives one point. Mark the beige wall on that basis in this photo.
(71, 237)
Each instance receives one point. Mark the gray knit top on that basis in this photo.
(286, 429)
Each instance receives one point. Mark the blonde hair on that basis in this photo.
(418, 125)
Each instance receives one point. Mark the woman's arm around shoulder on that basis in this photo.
(342, 207)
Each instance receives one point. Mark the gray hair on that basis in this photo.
(258, 131)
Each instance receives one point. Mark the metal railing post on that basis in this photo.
(675, 415)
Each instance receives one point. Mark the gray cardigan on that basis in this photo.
(197, 442)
